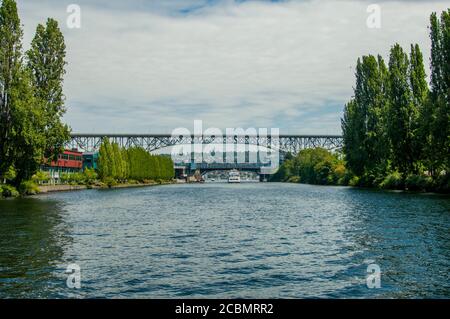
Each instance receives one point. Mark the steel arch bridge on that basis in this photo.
(152, 142)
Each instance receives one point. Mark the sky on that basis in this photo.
(152, 66)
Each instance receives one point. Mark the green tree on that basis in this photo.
(440, 91)
(402, 113)
(21, 116)
(395, 128)
(46, 61)
(126, 163)
(103, 160)
(110, 158)
(364, 119)
(420, 93)
(118, 161)
(10, 69)
(353, 138)
(27, 122)
(9, 175)
(374, 95)
(312, 166)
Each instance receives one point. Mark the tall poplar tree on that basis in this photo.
(103, 160)
(10, 69)
(363, 122)
(111, 160)
(46, 61)
(402, 113)
(445, 112)
(118, 162)
(440, 90)
(353, 139)
(21, 118)
(376, 99)
(420, 94)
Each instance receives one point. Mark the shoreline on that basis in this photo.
(374, 188)
(70, 188)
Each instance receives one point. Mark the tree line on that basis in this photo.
(134, 163)
(31, 96)
(396, 128)
(396, 125)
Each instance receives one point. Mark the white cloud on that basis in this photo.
(287, 65)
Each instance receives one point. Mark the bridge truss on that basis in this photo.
(152, 142)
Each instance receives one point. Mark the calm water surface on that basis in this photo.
(220, 240)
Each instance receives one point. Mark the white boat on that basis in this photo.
(234, 177)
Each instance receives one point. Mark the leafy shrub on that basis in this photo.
(294, 179)
(345, 180)
(442, 183)
(354, 181)
(89, 176)
(392, 181)
(109, 181)
(322, 173)
(64, 178)
(339, 172)
(73, 178)
(418, 183)
(78, 179)
(8, 191)
(28, 188)
(41, 177)
(10, 174)
(367, 180)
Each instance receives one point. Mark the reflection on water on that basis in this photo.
(33, 237)
(220, 240)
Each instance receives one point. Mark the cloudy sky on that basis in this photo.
(151, 66)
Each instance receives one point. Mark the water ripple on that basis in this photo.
(229, 241)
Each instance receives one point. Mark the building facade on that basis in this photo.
(70, 161)
(90, 160)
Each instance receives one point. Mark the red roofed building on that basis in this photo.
(70, 161)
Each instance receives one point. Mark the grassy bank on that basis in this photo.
(8, 191)
(89, 179)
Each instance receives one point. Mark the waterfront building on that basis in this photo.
(90, 160)
(70, 161)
